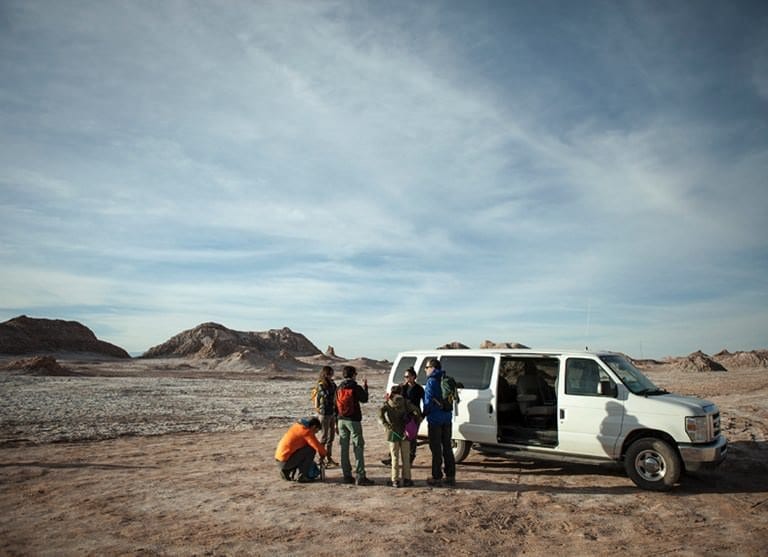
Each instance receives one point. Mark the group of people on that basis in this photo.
(339, 412)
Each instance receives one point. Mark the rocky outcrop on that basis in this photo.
(212, 340)
(378, 365)
(486, 344)
(697, 361)
(37, 365)
(490, 344)
(453, 346)
(742, 360)
(28, 335)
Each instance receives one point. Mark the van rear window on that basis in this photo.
(404, 363)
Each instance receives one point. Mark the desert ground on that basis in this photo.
(161, 457)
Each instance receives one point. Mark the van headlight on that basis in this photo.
(696, 428)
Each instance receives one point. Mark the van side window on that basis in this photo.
(583, 377)
(421, 373)
(402, 365)
(470, 372)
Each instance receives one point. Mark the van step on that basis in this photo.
(533, 454)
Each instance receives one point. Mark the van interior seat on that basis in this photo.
(531, 394)
(507, 399)
(590, 379)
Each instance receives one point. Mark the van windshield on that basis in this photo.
(632, 377)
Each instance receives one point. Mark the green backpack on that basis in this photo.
(449, 390)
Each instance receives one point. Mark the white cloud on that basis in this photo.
(44, 287)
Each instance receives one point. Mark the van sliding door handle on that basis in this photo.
(562, 413)
(490, 408)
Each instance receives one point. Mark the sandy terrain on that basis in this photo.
(161, 458)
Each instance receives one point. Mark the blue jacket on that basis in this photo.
(433, 394)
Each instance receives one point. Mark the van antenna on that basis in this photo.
(589, 316)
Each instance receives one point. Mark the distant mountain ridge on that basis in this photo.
(213, 340)
(29, 335)
(275, 348)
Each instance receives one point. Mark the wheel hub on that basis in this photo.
(650, 465)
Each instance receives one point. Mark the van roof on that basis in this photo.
(503, 352)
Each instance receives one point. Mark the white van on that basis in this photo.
(573, 406)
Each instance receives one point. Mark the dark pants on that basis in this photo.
(328, 424)
(414, 444)
(301, 460)
(442, 452)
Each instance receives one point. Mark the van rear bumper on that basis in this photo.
(704, 456)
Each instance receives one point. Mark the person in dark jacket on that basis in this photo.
(414, 393)
(349, 395)
(325, 406)
(440, 428)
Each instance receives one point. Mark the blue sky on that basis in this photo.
(382, 176)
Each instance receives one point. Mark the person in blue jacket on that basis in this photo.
(439, 427)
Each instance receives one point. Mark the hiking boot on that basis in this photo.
(364, 481)
(348, 480)
(306, 480)
(386, 461)
(330, 463)
(450, 482)
(407, 483)
(396, 483)
(434, 482)
(287, 475)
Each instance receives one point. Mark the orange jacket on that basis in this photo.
(297, 436)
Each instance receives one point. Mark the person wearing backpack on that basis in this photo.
(324, 398)
(296, 450)
(349, 395)
(396, 412)
(439, 427)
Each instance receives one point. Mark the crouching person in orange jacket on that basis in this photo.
(296, 450)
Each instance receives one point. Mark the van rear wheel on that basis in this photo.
(460, 448)
(652, 464)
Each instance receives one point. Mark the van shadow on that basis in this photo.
(745, 470)
(528, 470)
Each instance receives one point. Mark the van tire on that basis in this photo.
(461, 449)
(652, 464)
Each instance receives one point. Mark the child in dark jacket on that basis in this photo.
(394, 415)
(325, 406)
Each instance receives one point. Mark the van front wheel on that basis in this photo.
(652, 464)
(461, 449)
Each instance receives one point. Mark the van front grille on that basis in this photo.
(715, 425)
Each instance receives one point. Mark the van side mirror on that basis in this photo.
(609, 388)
